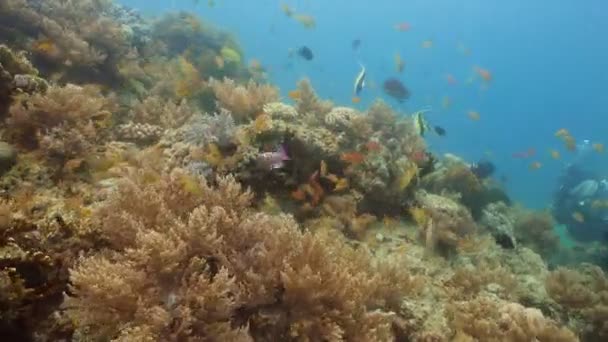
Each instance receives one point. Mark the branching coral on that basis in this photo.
(64, 121)
(244, 101)
(188, 260)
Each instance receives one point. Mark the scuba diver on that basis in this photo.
(581, 201)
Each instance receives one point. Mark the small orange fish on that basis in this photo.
(356, 99)
(570, 143)
(373, 146)
(427, 44)
(294, 95)
(450, 79)
(298, 195)
(473, 115)
(45, 46)
(578, 217)
(352, 157)
(402, 27)
(598, 147)
(485, 74)
(536, 165)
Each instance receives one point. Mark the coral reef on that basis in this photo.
(181, 265)
(128, 143)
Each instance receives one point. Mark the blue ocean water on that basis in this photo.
(549, 62)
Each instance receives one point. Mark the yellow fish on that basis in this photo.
(535, 165)
(555, 154)
(411, 171)
(598, 147)
(473, 115)
(399, 63)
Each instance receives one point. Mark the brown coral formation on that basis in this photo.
(123, 214)
(208, 268)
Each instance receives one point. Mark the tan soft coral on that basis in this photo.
(244, 101)
(309, 103)
(582, 292)
(535, 230)
(187, 260)
(64, 121)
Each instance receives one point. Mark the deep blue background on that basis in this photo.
(549, 60)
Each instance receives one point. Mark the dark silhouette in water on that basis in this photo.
(356, 44)
(483, 169)
(395, 89)
(440, 131)
(306, 53)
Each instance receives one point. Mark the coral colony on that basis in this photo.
(134, 208)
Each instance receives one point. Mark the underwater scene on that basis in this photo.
(303, 170)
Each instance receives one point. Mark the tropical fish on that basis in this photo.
(473, 115)
(286, 9)
(485, 74)
(446, 102)
(483, 169)
(598, 147)
(427, 44)
(306, 20)
(450, 79)
(356, 99)
(356, 44)
(410, 171)
(555, 154)
(399, 63)
(402, 27)
(294, 94)
(562, 132)
(272, 160)
(359, 81)
(536, 165)
(531, 152)
(395, 89)
(439, 130)
(373, 146)
(306, 53)
(352, 157)
(578, 217)
(420, 124)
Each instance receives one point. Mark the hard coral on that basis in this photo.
(188, 260)
(448, 221)
(488, 319)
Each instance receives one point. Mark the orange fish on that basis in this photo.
(535, 165)
(294, 95)
(554, 154)
(485, 74)
(402, 27)
(356, 99)
(451, 79)
(427, 44)
(352, 157)
(373, 146)
(473, 115)
(570, 143)
(45, 46)
(298, 195)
